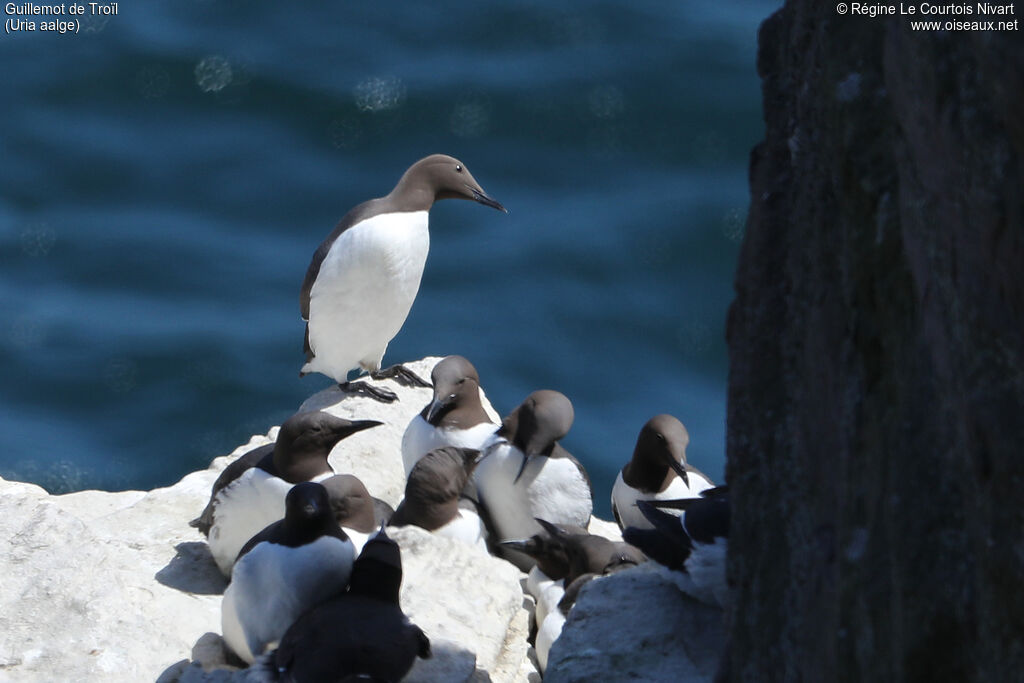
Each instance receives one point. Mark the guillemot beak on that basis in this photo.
(354, 426)
(436, 406)
(526, 459)
(524, 546)
(675, 504)
(679, 469)
(553, 531)
(479, 196)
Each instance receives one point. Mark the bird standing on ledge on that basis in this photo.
(363, 278)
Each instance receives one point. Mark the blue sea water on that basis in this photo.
(167, 173)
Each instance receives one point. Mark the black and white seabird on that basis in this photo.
(525, 474)
(434, 497)
(657, 471)
(361, 635)
(284, 570)
(357, 512)
(250, 493)
(455, 415)
(592, 554)
(546, 583)
(550, 552)
(564, 553)
(694, 543)
(363, 278)
(567, 557)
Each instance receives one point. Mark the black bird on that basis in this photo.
(284, 570)
(362, 635)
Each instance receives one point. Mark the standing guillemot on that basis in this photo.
(284, 570)
(455, 415)
(250, 493)
(434, 497)
(524, 473)
(694, 543)
(363, 278)
(657, 471)
(362, 635)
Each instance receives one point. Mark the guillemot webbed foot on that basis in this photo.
(364, 389)
(402, 375)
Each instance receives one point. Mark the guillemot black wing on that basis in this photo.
(230, 473)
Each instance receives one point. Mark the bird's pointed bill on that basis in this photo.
(522, 468)
(679, 469)
(487, 201)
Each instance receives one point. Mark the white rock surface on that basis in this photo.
(94, 585)
(636, 625)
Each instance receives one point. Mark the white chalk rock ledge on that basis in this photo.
(116, 586)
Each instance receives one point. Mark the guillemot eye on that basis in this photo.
(458, 168)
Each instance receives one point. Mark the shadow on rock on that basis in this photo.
(448, 662)
(212, 663)
(193, 570)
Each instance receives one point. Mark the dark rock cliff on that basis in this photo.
(876, 391)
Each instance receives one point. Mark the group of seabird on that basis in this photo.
(314, 578)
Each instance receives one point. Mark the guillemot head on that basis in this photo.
(306, 439)
(437, 177)
(537, 424)
(351, 503)
(455, 383)
(308, 514)
(660, 447)
(542, 419)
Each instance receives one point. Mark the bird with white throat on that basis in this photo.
(362, 280)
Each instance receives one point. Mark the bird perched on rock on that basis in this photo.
(363, 278)
(592, 554)
(524, 473)
(284, 570)
(250, 493)
(357, 512)
(564, 553)
(546, 583)
(567, 557)
(434, 498)
(694, 543)
(552, 557)
(455, 415)
(362, 635)
(657, 471)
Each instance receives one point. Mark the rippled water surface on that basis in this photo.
(167, 173)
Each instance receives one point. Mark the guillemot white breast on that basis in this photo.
(658, 470)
